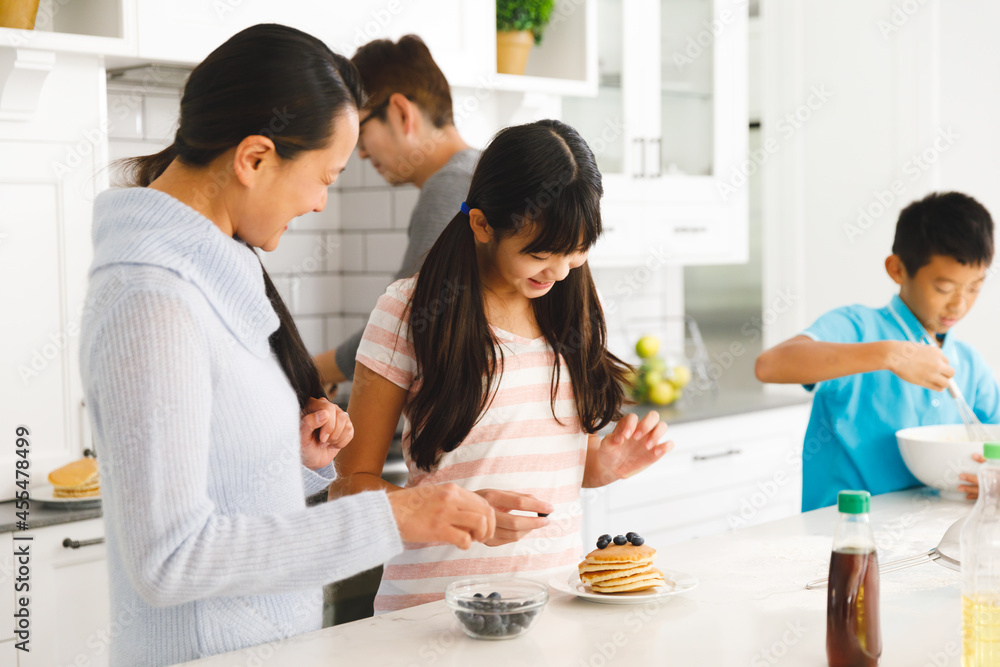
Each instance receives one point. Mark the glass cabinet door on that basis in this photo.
(602, 120)
(688, 33)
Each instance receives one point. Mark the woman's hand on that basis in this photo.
(632, 447)
(442, 513)
(971, 487)
(325, 429)
(512, 527)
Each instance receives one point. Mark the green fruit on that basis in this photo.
(647, 346)
(662, 393)
(680, 376)
(653, 378)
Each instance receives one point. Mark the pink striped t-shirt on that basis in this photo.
(517, 445)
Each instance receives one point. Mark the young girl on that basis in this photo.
(208, 413)
(495, 353)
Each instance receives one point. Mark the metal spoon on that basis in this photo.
(946, 553)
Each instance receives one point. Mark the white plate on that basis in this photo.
(43, 494)
(677, 583)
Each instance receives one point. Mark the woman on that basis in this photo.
(208, 413)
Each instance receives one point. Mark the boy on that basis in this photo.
(877, 370)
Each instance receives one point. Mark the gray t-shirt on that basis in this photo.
(439, 201)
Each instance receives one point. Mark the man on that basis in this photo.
(408, 133)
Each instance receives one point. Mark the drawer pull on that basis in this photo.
(76, 544)
(706, 457)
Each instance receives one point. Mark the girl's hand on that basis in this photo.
(442, 513)
(632, 447)
(334, 432)
(971, 487)
(512, 527)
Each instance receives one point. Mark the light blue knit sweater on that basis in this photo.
(210, 545)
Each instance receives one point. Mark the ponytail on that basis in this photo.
(287, 345)
(453, 343)
(143, 170)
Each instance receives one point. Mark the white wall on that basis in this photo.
(856, 93)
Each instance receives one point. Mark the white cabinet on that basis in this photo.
(70, 607)
(48, 178)
(669, 129)
(722, 474)
(185, 31)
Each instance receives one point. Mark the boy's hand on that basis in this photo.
(919, 364)
(971, 486)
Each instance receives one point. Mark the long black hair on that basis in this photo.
(541, 174)
(268, 80)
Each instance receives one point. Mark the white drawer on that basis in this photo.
(698, 470)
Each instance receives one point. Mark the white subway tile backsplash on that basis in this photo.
(317, 295)
(352, 252)
(334, 331)
(313, 333)
(404, 198)
(384, 251)
(299, 254)
(287, 290)
(361, 292)
(124, 115)
(365, 210)
(351, 176)
(161, 113)
(326, 220)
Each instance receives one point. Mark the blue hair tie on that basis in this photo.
(465, 208)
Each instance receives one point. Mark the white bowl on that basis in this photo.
(936, 455)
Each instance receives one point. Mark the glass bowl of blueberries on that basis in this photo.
(496, 608)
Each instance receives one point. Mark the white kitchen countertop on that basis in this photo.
(750, 608)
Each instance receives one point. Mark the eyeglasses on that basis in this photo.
(377, 111)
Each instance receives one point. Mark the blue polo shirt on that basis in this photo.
(851, 439)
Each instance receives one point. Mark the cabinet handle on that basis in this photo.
(719, 455)
(641, 171)
(76, 544)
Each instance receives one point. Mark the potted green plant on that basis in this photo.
(520, 23)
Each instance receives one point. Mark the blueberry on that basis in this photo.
(603, 544)
(493, 596)
(475, 624)
(638, 541)
(604, 537)
(493, 626)
(542, 515)
(629, 536)
(620, 540)
(478, 595)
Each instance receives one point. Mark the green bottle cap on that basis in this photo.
(854, 502)
(991, 450)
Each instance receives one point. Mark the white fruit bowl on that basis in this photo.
(936, 455)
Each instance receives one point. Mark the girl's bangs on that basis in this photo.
(570, 223)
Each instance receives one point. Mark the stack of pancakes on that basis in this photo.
(78, 479)
(621, 569)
